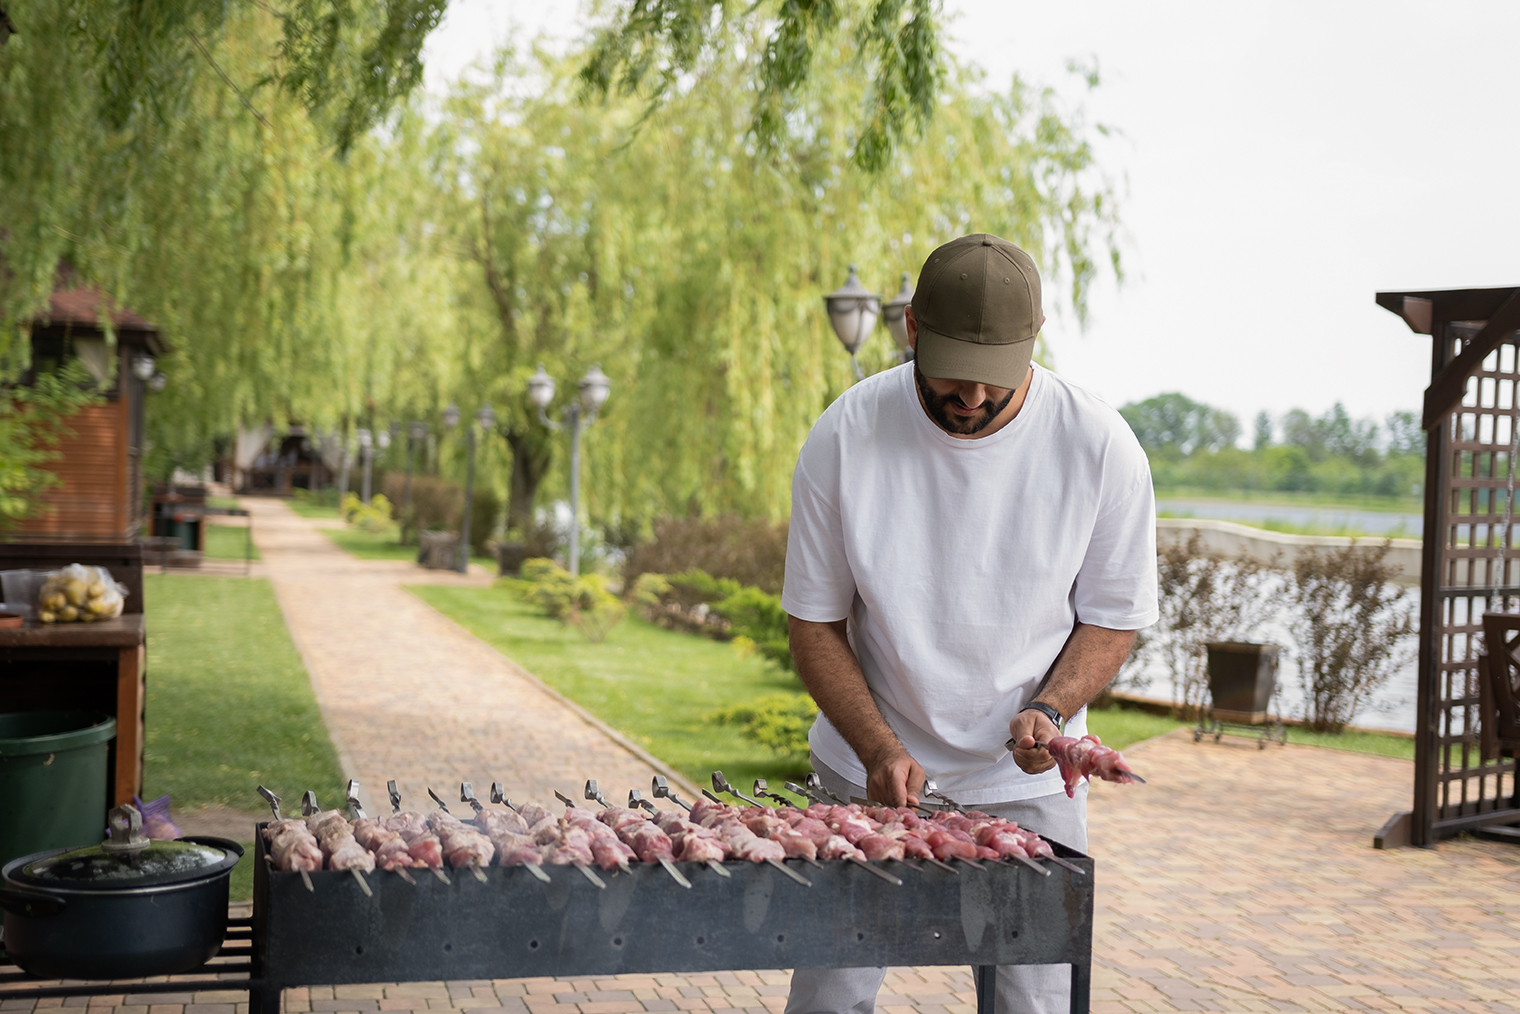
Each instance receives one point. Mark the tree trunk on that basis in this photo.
(532, 454)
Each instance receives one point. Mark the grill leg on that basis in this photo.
(1081, 986)
(986, 988)
(264, 999)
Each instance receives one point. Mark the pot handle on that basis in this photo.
(32, 905)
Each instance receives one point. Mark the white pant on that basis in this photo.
(1021, 989)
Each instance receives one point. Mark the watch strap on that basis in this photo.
(1047, 711)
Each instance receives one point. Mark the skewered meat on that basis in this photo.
(421, 843)
(389, 848)
(648, 843)
(608, 850)
(1085, 757)
(462, 844)
(292, 846)
(339, 847)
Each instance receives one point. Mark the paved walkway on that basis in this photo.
(407, 694)
(1236, 880)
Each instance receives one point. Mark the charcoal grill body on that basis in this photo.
(515, 926)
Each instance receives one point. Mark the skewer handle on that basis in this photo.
(353, 799)
(498, 792)
(273, 801)
(309, 803)
(592, 792)
(390, 787)
(467, 795)
(714, 798)
(563, 798)
(441, 804)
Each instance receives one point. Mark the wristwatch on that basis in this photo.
(1048, 712)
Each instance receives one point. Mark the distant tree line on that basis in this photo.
(1193, 446)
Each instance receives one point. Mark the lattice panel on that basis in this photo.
(1479, 572)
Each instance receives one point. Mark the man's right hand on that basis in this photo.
(895, 779)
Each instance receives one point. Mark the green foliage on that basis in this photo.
(580, 601)
(1352, 629)
(778, 721)
(721, 608)
(746, 551)
(374, 517)
(1192, 447)
(31, 421)
(1174, 424)
(649, 46)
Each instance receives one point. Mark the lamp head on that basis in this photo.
(487, 418)
(853, 310)
(142, 366)
(894, 312)
(451, 416)
(540, 388)
(157, 382)
(384, 439)
(419, 430)
(365, 438)
(594, 388)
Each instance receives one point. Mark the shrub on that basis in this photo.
(581, 602)
(1351, 627)
(749, 552)
(1201, 599)
(435, 507)
(720, 608)
(778, 721)
(375, 517)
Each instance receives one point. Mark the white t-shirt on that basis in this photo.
(963, 565)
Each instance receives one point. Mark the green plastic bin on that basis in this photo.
(52, 780)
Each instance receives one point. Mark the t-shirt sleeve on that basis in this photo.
(1116, 585)
(819, 585)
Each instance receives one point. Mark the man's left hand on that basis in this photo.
(1029, 728)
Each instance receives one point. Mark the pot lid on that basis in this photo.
(128, 860)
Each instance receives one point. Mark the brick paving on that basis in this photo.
(1237, 880)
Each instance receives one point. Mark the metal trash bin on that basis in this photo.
(1242, 682)
(53, 780)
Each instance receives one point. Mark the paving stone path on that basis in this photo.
(1236, 880)
(407, 694)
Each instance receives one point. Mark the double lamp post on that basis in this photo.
(854, 309)
(593, 390)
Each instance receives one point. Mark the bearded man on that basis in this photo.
(972, 548)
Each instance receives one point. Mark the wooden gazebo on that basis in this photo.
(1471, 563)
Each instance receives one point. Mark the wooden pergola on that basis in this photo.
(1471, 562)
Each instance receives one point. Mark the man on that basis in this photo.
(972, 547)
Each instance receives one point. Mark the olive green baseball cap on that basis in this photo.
(978, 310)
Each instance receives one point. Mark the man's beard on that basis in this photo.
(938, 408)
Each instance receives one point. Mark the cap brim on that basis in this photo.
(944, 358)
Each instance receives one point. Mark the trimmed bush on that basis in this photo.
(778, 721)
(728, 547)
(581, 602)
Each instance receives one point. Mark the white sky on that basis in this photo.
(1280, 163)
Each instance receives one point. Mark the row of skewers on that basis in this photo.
(707, 831)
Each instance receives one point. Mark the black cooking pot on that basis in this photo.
(123, 909)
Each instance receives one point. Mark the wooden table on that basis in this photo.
(84, 667)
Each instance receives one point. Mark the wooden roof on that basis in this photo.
(1496, 309)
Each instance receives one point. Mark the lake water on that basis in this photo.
(1408, 526)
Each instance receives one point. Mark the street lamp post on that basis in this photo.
(894, 314)
(487, 420)
(853, 310)
(366, 443)
(593, 390)
(415, 435)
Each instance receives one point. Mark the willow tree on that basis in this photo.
(688, 257)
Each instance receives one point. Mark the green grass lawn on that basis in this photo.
(1120, 727)
(1392, 505)
(653, 685)
(1383, 744)
(308, 509)
(229, 703)
(227, 542)
(382, 545)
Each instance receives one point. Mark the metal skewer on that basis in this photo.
(274, 806)
(637, 801)
(395, 808)
(660, 789)
(807, 793)
(358, 810)
(499, 795)
(592, 792)
(762, 789)
(815, 783)
(308, 807)
(720, 784)
(804, 881)
(352, 791)
(1012, 744)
